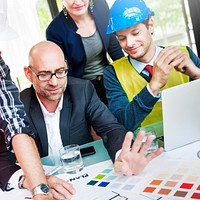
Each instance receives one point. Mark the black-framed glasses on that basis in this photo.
(46, 76)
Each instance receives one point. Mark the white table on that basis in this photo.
(188, 152)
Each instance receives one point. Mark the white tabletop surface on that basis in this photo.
(188, 152)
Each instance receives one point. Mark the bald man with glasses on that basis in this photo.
(61, 108)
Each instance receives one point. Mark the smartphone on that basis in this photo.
(86, 151)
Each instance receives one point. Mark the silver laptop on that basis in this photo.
(181, 115)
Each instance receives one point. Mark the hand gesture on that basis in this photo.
(163, 64)
(60, 189)
(133, 159)
(184, 64)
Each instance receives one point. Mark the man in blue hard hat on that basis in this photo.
(133, 83)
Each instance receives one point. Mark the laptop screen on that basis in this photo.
(181, 114)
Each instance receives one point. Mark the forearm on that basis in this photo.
(192, 69)
(132, 114)
(195, 74)
(29, 160)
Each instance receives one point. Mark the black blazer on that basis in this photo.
(81, 109)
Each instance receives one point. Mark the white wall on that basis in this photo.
(22, 17)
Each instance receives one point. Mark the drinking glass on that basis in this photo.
(71, 159)
(148, 131)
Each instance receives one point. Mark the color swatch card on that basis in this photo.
(175, 179)
(100, 182)
(161, 179)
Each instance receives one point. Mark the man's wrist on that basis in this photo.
(42, 189)
(42, 197)
(154, 94)
(117, 154)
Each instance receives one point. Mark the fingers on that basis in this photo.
(181, 61)
(133, 160)
(141, 147)
(166, 56)
(59, 196)
(60, 191)
(172, 56)
(138, 142)
(154, 154)
(127, 142)
(163, 65)
(146, 145)
(60, 188)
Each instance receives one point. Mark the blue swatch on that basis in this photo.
(106, 171)
(128, 187)
(103, 184)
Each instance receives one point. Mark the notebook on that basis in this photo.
(181, 115)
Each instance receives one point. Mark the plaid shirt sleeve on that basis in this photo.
(13, 119)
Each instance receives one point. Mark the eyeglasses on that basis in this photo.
(46, 76)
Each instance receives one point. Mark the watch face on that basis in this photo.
(44, 188)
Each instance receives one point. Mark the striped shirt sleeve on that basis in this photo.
(13, 119)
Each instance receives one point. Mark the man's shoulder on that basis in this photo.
(79, 89)
(73, 80)
(26, 93)
(77, 82)
(123, 59)
(108, 69)
(118, 62)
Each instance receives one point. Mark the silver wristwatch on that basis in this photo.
(41, 189)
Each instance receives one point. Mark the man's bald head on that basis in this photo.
(45, 51)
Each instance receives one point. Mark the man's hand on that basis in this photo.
(185, 65)
(43, 197)
(60, 189)
(163, 64)
(132, 160)
(169, 58)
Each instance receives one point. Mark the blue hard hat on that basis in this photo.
(126, 13)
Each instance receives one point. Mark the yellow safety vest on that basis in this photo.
(132, 83)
